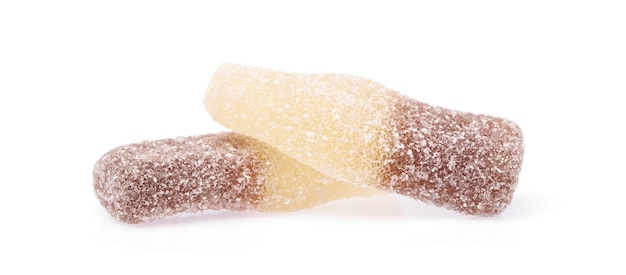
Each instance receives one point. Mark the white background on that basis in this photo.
(80, 78)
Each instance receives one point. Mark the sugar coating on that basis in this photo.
(359, 131)
(334, 123)
(461, 161)
(226, 171)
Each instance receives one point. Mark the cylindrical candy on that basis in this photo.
(359, 131)
(226, 171)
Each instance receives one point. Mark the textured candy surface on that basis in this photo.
(358, 131)
(154, 179)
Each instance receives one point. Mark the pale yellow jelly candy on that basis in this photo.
(358, 131)
(154, 179)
